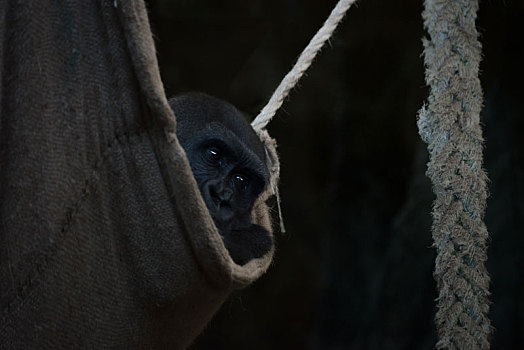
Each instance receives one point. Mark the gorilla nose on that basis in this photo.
(226, 194)
(220, 195)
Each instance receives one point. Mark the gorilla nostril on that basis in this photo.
(214, 195)
(227, 194)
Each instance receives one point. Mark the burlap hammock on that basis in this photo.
(105, 241)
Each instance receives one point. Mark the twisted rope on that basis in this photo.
(304, 61)
(290, 80)
(450, 125)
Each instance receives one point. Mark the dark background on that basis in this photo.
(354, 269)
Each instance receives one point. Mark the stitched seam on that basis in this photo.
(24, 288)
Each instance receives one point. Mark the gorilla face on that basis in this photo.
(229, 165)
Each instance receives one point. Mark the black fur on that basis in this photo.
(229, 165)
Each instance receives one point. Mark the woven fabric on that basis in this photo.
(105, 241)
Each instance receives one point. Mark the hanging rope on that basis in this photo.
(450, 125)
(290, 80)
(304, 61)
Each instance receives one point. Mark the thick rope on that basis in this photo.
(304, 61)
(450, 125)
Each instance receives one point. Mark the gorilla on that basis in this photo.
(228, 161)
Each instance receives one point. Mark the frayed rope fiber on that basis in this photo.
(449, 123)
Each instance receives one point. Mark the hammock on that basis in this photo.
(105, 241)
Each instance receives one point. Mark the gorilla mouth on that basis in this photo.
(223, 219)
(224, 211)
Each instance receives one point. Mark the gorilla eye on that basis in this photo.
(241, 181)
(213, 154)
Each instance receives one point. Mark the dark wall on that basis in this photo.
(355, 268)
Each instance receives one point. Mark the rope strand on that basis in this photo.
(290, 80)
(304, 61)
